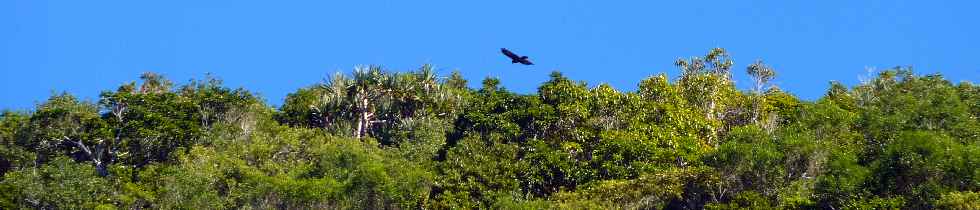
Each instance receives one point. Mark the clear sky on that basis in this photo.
(276, 47)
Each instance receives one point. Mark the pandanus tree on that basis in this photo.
(369, 91)
(372, 98)
(357, 98)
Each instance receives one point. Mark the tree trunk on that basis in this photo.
(363, 118)
(96, 157)
(360, 125)
(711, 118)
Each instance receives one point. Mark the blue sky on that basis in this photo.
(276, 47)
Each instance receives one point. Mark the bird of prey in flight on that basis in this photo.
(516, 58)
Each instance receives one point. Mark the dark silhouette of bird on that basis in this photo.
(516, 58)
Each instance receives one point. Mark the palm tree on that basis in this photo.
(332, 105)
(367, 92)
(371, 95)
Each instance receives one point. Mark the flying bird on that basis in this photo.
(516, 58)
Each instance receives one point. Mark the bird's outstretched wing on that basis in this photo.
(510, 54)
(515, 58)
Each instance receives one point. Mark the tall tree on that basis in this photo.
(761, 74)
(705, 82)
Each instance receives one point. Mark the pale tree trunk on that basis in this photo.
(712, 104)
(360, 125)
(96, 157)
(363, 118)
(758, 101)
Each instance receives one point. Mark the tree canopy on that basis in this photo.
(382, 139)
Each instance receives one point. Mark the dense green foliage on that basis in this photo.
(376, 139)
